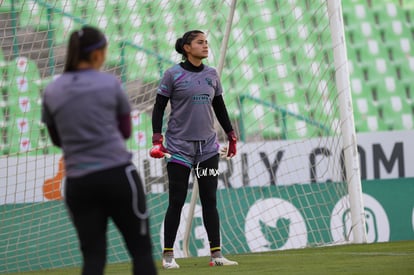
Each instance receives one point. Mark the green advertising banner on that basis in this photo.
(47, 239)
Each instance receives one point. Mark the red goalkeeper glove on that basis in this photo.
(158, 150)
(230, 150)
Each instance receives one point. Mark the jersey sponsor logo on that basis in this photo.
(201, 99)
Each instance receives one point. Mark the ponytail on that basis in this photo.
(179, 46)
(81, 44)
(187, 38)
(72, 55)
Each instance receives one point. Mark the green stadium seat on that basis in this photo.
(395, 29)
(3, 63)
(369, 124)
(390, 86)
(232, 104)
(399, 49)
(64, 24)
(405, 71)
(288, 91)
(214, 9)
(150, 32)
(367, 50)
(24, 128)
(304, 55)
(406, 122)
(131, 20)
(259, 121)
(6, 6)
(25, 135)
(265, 115)
(406, 65)
(387, 10)
(395, 112)
(140, 66)
(298, 129)
(3, 105)
(364, 107)
(360, 22)
(23, 78)
(242, 76)
(359, 88)
(408, 10)
(271, 121)
(353, 57)
(33, 15)
(258, 17)
(103, 14)
(378, 68)
(25, 132)
(141, 131)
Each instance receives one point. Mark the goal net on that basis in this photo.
(285, 188)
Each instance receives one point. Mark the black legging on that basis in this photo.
(178, 176)
(115, 193)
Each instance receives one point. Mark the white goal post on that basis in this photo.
(349, 140)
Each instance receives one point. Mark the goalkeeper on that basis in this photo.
(194, 91)
(88, 115)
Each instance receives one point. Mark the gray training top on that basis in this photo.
(191, 95)
(84, 106)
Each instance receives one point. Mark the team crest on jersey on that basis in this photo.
(209, 82)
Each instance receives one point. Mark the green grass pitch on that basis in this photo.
(378, 258)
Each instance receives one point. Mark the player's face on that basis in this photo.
(199, 47)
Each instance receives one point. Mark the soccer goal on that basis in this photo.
(295, 181)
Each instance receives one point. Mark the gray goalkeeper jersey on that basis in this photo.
(191, 95)
(84, 107)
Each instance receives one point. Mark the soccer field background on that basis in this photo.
(379, 258)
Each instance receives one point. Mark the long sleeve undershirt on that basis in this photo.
(218, 106)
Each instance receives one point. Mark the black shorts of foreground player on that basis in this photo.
(87, 114)
(195, 95)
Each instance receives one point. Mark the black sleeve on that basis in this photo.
(221, 113)
(158, 113)
(54, 135)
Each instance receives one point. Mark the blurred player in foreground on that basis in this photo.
(194, 91)
(88, 115)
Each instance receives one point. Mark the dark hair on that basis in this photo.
(81, 44)
(187, 38)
